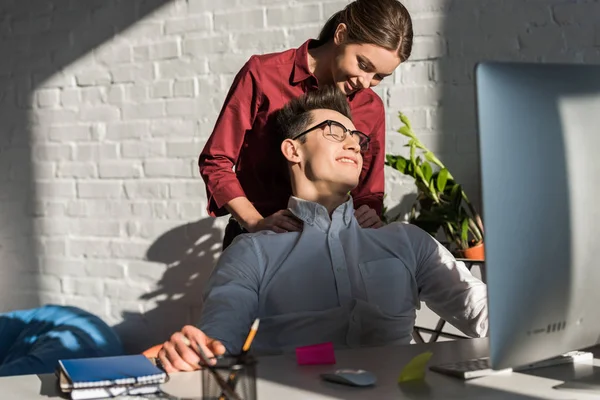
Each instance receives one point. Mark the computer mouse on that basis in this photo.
(351, 377)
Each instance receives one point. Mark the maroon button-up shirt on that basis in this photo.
(242, 156)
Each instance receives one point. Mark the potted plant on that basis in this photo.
(441, 202)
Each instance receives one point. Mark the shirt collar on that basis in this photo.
(301, 71)
(316, 214)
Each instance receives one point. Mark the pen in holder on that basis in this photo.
(244, 384)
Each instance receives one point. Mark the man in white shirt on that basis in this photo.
(333, 281)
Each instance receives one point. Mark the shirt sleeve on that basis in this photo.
(221, 152)
(447, 286)
(372, 181)
(231, 297)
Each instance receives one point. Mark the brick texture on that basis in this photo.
(104, 109)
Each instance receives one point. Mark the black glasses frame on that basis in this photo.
(363, 139)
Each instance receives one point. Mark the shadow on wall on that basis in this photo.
(38, 39)
(189, 251)
(510, 30)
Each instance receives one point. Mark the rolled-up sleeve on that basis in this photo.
(231, 296)
(221, 152)
(447, 286)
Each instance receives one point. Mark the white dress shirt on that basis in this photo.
(337, 282)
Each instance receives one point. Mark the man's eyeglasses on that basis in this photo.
(338, 132)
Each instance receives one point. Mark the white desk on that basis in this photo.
(281, 378)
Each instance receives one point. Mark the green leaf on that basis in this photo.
(405, 130)
(404, 120)
(423, 188)
(410, 169)
(401, 164)
(456, 194)
(419, 172)
(442, 179)
(440, 202)
(433, 191)
(432, 158)
(464, 231)
(445, 198)
(427, 171)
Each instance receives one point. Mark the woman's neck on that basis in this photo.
(319, 62)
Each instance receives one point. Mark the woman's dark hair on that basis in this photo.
(383, 23)
(295, 116)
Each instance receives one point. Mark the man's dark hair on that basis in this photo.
(295, 116)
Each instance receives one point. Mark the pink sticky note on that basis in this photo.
(315, 354)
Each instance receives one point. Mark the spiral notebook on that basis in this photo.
(97, 372)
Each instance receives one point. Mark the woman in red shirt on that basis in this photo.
(357, 48)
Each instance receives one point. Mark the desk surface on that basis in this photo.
(280, 377)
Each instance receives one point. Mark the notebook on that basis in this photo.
(112, 391)
(98, 372)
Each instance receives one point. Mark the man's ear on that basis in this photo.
(341, 34)
(289, 148)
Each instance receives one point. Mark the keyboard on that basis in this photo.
(478, 367)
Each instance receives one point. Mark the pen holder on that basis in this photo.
(237, 372)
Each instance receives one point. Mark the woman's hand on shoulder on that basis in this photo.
(367, 217)
(280, 222)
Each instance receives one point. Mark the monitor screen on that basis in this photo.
(539, 138)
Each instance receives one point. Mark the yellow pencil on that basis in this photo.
(231, 380)
(251, 335)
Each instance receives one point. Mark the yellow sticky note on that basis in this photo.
(415, 369)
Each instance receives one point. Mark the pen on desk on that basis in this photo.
(231, 380)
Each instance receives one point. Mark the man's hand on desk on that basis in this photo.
(180, 352)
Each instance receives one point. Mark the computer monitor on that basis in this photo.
(539, 139)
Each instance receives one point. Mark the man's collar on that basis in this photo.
(314, 213)
(301, 71)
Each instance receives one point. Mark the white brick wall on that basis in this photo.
(105, 109)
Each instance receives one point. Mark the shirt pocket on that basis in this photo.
(390, 286)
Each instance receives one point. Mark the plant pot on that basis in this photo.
(476, 252)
